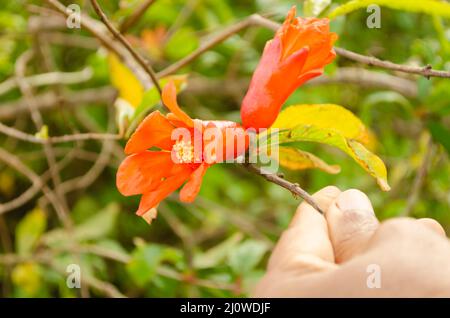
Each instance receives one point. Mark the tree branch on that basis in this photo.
(126, 44)
(293, 187)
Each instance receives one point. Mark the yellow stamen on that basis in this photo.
(184, 151)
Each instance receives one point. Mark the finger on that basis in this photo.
(305, 245)
(351, 223)
(433, 225)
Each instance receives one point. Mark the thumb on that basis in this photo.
(351, 223)
(305, 245)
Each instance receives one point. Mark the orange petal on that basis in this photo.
(142, 172)
(151, 199)
(169, 97)
(192, 187)
(154, 131)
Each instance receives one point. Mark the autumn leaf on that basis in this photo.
(335, 126)
(296, 159)
(134, 101)
(328, 116)
(129, 87)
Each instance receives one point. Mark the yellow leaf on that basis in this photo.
(296, 159)
(311, 133)
(129, 87)
(42, 133)
(28, 277)
(327, 116)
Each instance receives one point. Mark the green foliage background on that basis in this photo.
(219, 245)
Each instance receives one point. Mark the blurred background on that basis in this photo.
(58, 81)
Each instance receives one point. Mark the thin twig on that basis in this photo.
(28, 94)
(98, 30)
(17, 164)
(127, 45)
(211, 42)
(293, 187)
(56, 139)
(258, 20)
(50, 100)
(420, 178)
(426, 71)
(51, 78)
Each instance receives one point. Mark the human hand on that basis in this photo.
(336, 254)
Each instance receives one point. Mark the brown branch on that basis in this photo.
(17, 164)
(51, 78)
(258, 20)
(368, 79)
(12, 132)
(213, 41)
(28, 94)
(50, 100)
(293, 187)
(135, 16)
(126, 44)
(426, 71)
(98, 30)
(420, 178)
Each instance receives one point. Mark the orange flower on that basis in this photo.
(299, 51)
(157, 173)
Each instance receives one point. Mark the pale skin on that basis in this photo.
(329, 256)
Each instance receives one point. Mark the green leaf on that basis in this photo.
(296, 159)
(335, 126)
(183, 42)
(218, 253)
(313, 8)
(246, 256)
(94, 228)
(432, 7)
(370, 162)
(327, 116)
(29, 230)
(146, 259)
(144, 263)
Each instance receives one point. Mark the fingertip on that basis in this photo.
(351, 222)
(323, 198)
(354, 199)
(433, 225)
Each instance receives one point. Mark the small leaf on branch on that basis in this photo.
(296, 159)
(327, 116)
(370, 162)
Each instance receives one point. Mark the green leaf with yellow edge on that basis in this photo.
(432, 7)
(311, 133)
(29, 231)
(296, 159)
(327, 116)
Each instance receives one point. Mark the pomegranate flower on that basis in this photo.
(180, 155)
(299, 51)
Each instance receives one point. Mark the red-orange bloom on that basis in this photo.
(155, 173)
(299, 51)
